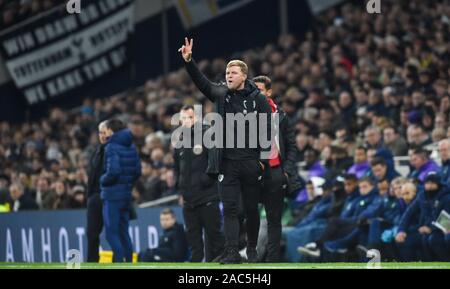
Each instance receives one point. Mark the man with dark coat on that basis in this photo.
(199, 191)
(240, 168)
(172, 242)
(94, 202)
(283, 173)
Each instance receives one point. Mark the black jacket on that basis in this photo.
(173, 246)
(192, 181)
(219, 94)
(25, 204)
(95, 170)
(288, 152)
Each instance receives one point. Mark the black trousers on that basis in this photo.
(240, 179)
(272, 198)
(337, 228)
(94, 227)
(205, 219)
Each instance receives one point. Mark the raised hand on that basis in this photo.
(186, 49)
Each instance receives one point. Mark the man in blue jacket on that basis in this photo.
(427, 207)
(313, 225)
(380, 214)
(122, 167)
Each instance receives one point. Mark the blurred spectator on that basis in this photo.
(19, 200)
(394, 141)
(421, 164)
(173, 246)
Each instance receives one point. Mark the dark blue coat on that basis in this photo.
(368, 205)
(350, 204)
(319, 211)
(445, 172)
(425, 209)
(365, 207)
(391, 210)
(386, 208)
(122, 167)
(173, 246)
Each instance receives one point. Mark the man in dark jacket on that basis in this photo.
(426, 207)
(122, 167)
(94, 203)
(172, 243)
(199, 192)
(444, 153)
(283, 172)
(240, 167)
(356, 210)
(19, 200)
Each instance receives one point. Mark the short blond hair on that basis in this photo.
(241, 64)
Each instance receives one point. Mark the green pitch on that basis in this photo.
(390, 265)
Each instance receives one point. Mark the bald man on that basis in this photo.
(444, 153)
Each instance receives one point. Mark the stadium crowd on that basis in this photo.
(14, 11)
(360, 89)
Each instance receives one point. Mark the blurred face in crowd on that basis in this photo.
(187, 118)
(371, 154)
(15, 191)
(167, 221)
(431, 186)
(408, 192)
(350, 186)
(416, 135)
(417, 98)
(444, 149)
(345, 100)
(60, 188)
(445, 104)
(417, 160)
(235, 77)
(341, 134)
(262, 87)
(324, 140)
(42, 185)
(439, 121)
(389, 135)
(310, 157)
(379, 171)
(103, 133)
(301, 141)
(383, 187)
(3, 183)
(365, 187)
(147, 169)
(360, 156)
(372, 136)
(396, 189)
